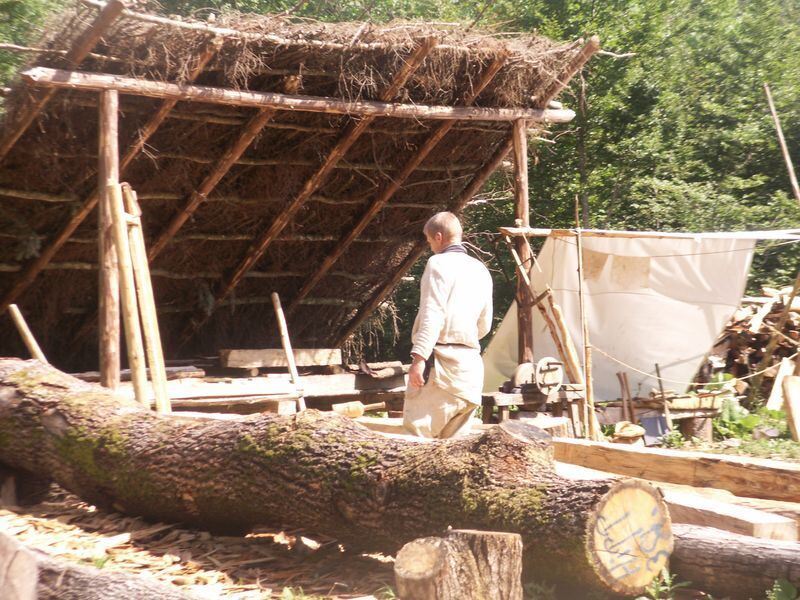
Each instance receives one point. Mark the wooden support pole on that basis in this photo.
(522, 218)
(127, 288)
(80, 49)
(394, 185)
(572, 363)
(591, 48)
(782, 141)
(350, 134)
(147, 305)
(26, 335)
(287, 348)
(47, 253)
(76, 80)
(469, 191)
(108, 285)
(592, 425)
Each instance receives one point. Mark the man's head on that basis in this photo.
(442, 230)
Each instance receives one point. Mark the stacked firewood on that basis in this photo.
(743, 344)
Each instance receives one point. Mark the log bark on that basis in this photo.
(326, 473)
(27, 574)
(462, 564)
(730, 565)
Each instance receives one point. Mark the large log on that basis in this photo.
(326, 473)
(26, 574)
(730, 565)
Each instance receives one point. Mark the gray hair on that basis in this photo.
(445, 223)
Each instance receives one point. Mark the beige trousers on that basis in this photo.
(431, 412)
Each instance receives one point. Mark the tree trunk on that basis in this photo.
(26, 574)
(326, 473)
(730, 565)
(462, 564)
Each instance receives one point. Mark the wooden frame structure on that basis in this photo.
(355, 118)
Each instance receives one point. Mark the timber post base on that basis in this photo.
(329, 474)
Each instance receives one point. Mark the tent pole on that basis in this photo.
(522, 219)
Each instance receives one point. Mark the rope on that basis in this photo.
(686, 383)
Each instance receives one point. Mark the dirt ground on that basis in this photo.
(263, 564)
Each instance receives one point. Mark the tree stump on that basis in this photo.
(327, 473)
(462, 565)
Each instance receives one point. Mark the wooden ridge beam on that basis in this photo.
(77, 80)
(49, 251)
(456, 206)
(225, 163)
(577, 62)
(349, 135)
(79, 50)
(392, 187)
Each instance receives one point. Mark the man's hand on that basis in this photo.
(417, 371)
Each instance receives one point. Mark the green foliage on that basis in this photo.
(736, 421)
(782, 590)
(664, 587)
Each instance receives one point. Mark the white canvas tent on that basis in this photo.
(650, 298)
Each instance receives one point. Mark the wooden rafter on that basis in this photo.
(589, 50)
(33, 269)
(232, 154)
(80, 49)
(392, 187)
(77, 80)
(455, 206)
(349, 135)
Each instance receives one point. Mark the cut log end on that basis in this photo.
(630, 537)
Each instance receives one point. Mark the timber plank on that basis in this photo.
(276, 357)
(751, 477)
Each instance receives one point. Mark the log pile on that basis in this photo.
(746, 336)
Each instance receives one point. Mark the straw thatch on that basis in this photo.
(51, 170)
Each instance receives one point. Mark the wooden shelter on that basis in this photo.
(268, 155)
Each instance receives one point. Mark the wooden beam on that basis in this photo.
(349, 135)
(226, 161)
(419, 248)
(79, 50)
(47, 253)
(391, 188)
(27, 336)
(591, 48)
(522, 218)
(304, 357)
(756, 478)
(76, 80)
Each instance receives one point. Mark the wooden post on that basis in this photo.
(287, 348)
(522, 218)
(108, 285)
(667, 415)
(25, 334)
(127, 287)
(591, 419)
(147, 305)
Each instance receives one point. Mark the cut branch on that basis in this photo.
(76, 80)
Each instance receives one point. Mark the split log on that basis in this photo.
(326, 473)
(462, 564)
(27, 574)
(730, 565)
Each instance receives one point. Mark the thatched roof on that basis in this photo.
(50, 172)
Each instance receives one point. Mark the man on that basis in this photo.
(455, 311)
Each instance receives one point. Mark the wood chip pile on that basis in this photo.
(259, 565)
